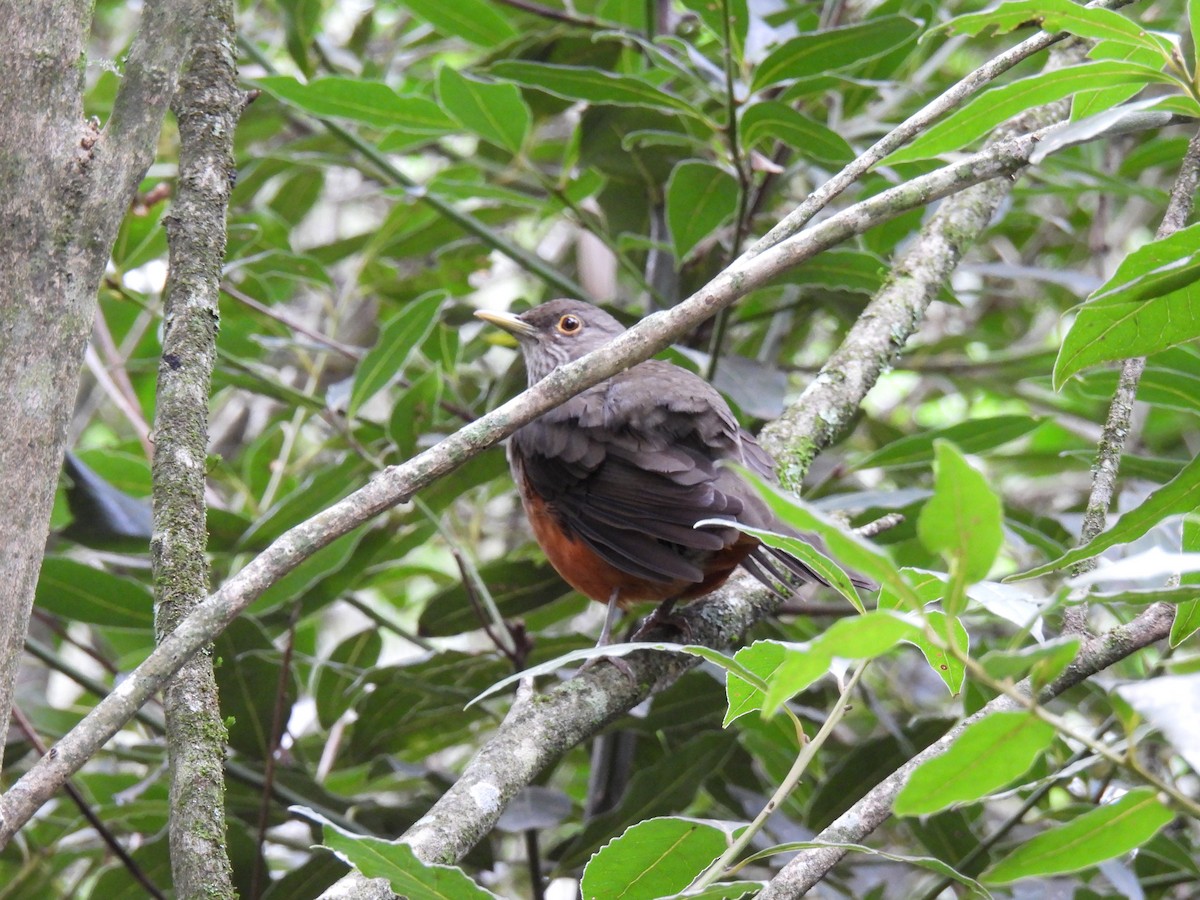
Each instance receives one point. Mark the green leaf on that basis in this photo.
(1042, 662)
(654, 858)
(670, 783)
(517, 587)
(591, 85)
(1179, 495)
(1159, 386)
(745, 693)
(399, 339)
(1187, 614)
(988, 755)
(475, 21)
(497, 113)
(1091, 103)
(846, 547)
(833, 49)
(989, 109)
(370, 102)
(974, 436)
(82, 593)
(963, 521)
(700, 198)
(407, 875)
(951, 632)
(1092, 838)
(862, 637)
(321, 489)
(336, 677)
(1095, 23)
(841, 269)
(771, 120)
(806, 553)
(1150, 304)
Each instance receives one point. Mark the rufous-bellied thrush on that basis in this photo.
(615, 479)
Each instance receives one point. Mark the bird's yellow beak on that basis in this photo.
(510, 322)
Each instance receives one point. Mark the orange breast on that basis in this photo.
(598, 579)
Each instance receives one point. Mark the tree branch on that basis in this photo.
(207, 108)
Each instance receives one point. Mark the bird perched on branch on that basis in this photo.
(615, 479)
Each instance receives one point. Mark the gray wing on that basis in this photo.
(631, 465)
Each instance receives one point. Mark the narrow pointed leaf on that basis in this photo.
(986, 756)
(655, 858)
(592, 85)
(820, 52)
(396, 862)
(1095, 23)
(475, 21)
(369, 102)
(1181, 494)
(1150, 304)
(82, 593)
(974, 436)
(978, 117)
(495, 112)
(700, 198)
(963, 520)
(398, 340)
(1104, 833)
(772, 120)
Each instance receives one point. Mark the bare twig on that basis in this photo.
(110, 840)
(909, 129)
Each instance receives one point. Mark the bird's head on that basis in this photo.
(555, 333)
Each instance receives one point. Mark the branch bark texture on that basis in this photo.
(67, 185)
(206, 107)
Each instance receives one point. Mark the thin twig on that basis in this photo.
(110, 840)
(274, 739)
(809, 867)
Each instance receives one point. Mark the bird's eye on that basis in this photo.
(569, 324)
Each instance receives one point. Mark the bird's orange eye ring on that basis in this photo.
(570, 324)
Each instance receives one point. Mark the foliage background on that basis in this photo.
(406, 163)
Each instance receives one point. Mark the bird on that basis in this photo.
(614, 480)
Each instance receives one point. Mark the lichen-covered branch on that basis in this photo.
(206, 107)
(66, 187)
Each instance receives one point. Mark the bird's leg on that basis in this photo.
(610, 617)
